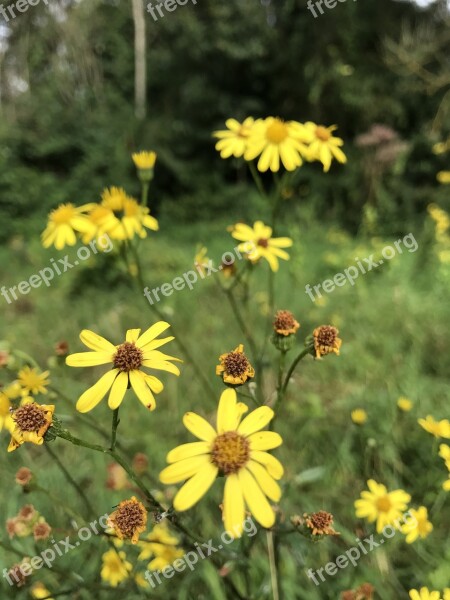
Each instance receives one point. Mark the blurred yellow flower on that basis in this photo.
(63, 224)
(404, 404)
(31, 422)
(33, 382)
(417, 525)
(115, 567)
(436, 428)
(144, 160)
(233, 141)
(443, 177)
(137, 351)
(324, 146)
(132, 217)
(441, 147)
(447, 594)
(103, 219)
(381, 506)
(39, 591)
(162, 546)
(446, 485)
(424, 594)
(201, 260)
(235, 368)
(236, 450)
(259, 243)
(275, 140)
(6, 421)
(444, 452)
(359, 416)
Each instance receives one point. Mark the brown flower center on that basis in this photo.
(326, 335)
(230, 452)
(236, 364)
(128, 357)
(321, 520)
(263, 242)
(30, 417)
(323, 134)
(284, 319)
(129, 517)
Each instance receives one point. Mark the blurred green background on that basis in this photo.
(69, 122)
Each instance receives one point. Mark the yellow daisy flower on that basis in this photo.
(162, 546)
(234, 140)
(404, 404)
(235, 368)
(380, 505)
(359, 416)
(31, 422)
(275, 140)
(443, 177)
(63, 223)
(144, 160)
(129, 520)
(436, 428)
(444, 452)
(235, 449)
(115, 567)
(418, 525)
(128, 358)
(259, 243)
(424, 594)
(324, 146)
(103, 219)
(39, 591)
(447, 594)
(32, 381)
(132, 217)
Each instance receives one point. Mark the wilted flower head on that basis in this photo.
(320, 523)
(41, 530)
(24, 476)
(235, 368)
(140, 463)
(117, 477)
(4, 358)
(326, 340)
(285, 323)
(129, 519)
(31, 422)
(62, 348)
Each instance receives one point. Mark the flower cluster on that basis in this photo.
(28, 522)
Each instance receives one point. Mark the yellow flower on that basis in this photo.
(31, 422)
(424, 594)
(441, 147)
(273, 140)
(324, 146)
(201, 260)
(115, 567)
(380, 505)
(326, 341)
(103, 219)
(235, 368)
(443, 177)
(132, 217)
(63, 223)
(436, 428)
(234, 140)
(359, 416)
(236, 450)
(128, 358)
(417, 525)
(39, 591)
(444, 452)
(32, 381)
(259, 243)
(129, 520)
(162, 546)
(6, 421)
(447, 594)
(144, 160)
(404, 404)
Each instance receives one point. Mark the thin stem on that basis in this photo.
(115, 425)
(144, 196)
(258, 181)
(273, 566)
(291, 369)
(71, 480)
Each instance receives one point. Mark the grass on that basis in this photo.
(394, 344)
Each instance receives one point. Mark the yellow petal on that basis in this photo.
(96, 342)
(227, 413)
(267, 483)
(195, 488)
(88, 359)
(96, 393)
(256, 420)
(154, 384)
(141, 389)
(183, 469)
(161, 365)
(272, 464)
(157, 343)
(233, 506)
(199, 427)
(118, 389)
(132, 335)
(151, 333)
(265, 440)
(188, 451)
(255, 499)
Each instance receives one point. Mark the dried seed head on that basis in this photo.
(129, 519)
(236, 364)
(30, 417)
(285, 323)
(326, 340)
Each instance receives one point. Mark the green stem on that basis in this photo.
(144, 196)
(258, 181)
(115, 425)
(273, 566)
(291, 369)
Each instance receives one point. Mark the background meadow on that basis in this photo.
(69, 122)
